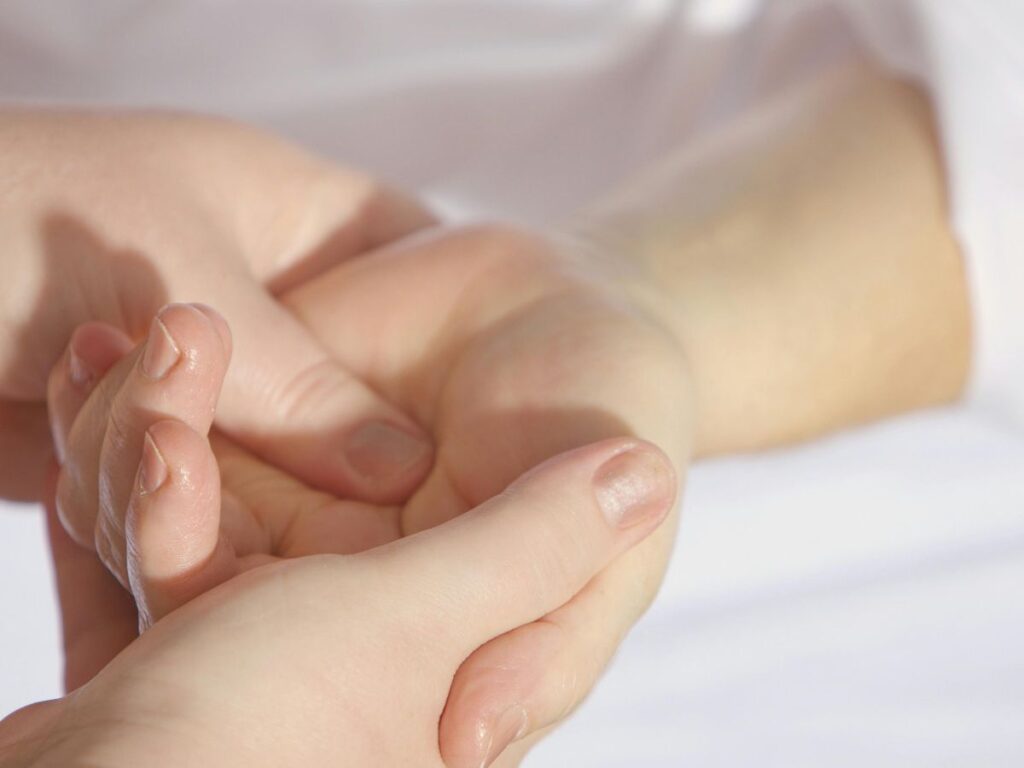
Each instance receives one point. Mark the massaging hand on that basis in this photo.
(329, 660)
(110, 216)
(510, 349)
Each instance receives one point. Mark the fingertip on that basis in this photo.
(636, 486)
(492, 696)
(632, 484)
(174, 513)
(219, 324)
(173, 523)
(195, 334)
(93, 350)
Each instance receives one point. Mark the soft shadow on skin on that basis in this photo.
(499, 445)
(73, 253)
(503, 443)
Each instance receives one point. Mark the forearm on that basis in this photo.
(805, 263)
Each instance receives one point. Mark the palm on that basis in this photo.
(507, 350)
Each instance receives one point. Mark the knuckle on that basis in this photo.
(305, 394)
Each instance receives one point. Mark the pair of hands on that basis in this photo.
(331, 656)
(502, 347)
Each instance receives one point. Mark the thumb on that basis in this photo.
(529, 550)
(288, 401)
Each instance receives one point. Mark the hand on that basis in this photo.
(299, 663)
(510, 349)
(259, 513)
(109, 216)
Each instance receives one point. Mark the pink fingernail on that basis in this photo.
(634, 486)
(379, 450)
(161, 351)
(152, 469)
(509, 726)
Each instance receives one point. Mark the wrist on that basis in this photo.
(666, 271)
(803, 259)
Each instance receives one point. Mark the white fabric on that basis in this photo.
(852, 603)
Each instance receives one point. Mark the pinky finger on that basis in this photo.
(175, 550)
(94, 348)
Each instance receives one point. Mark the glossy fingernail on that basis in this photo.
(634, 486)
(161, 352)
(152, 469)
(379, 451)
(509, 726)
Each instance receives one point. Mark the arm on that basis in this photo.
(805, 262)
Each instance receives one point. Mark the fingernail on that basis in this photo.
(161, 351)
(80, 374)
(379, 450)
(509, 726)
(152, 468)
(634, 486)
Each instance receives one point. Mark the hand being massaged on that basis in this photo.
(412, 376)
(362, 651)
(181, 513)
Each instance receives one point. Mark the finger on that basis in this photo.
(93, 350)
(176, 374)
(174, 547)
(532, 677)
(529, 550)
(98, 617)
(294, 405)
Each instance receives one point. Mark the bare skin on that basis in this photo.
(329, 669)
(799, 273)
(108, 216)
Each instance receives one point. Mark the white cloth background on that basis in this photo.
(855, 602)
